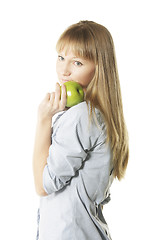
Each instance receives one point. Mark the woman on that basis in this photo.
(77, 157)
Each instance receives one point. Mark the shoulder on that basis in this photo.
(80, 113)
(78, 110)
(78, 116)
(73, 115)
(75, 124)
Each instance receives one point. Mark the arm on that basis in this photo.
(40, 154)
(68, 150)
(48, 107)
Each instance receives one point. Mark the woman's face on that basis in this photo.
(72, 68)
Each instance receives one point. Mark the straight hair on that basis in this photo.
(92, 41)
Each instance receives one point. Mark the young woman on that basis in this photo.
(79, 151)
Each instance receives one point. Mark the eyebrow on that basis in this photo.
(77, 57)
(74, 57)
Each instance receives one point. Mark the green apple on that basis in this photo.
(75, 93)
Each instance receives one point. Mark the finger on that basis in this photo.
(57, 93)
(63, 96)
(47, 97)
(52, 97)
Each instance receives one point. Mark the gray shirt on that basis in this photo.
(77, 178)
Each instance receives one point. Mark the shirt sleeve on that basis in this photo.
(66, 153)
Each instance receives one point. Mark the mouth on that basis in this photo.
(64, 80)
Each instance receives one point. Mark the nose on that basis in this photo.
(66, 69)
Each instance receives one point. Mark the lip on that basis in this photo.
(65, 80)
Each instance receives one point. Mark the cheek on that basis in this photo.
(57, 67)
(86, 77)
(89, 76)
(92, 74)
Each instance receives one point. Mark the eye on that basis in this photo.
(60, 58)
(77, 63)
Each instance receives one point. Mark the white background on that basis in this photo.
(28, 34)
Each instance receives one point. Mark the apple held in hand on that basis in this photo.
(75, 93)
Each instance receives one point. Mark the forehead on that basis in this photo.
(70, 49)
(69, 53)
(77, 48)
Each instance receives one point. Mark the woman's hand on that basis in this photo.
(52, 103)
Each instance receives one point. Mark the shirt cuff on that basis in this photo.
(51, 184)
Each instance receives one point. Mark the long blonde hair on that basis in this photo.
(94, 42)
